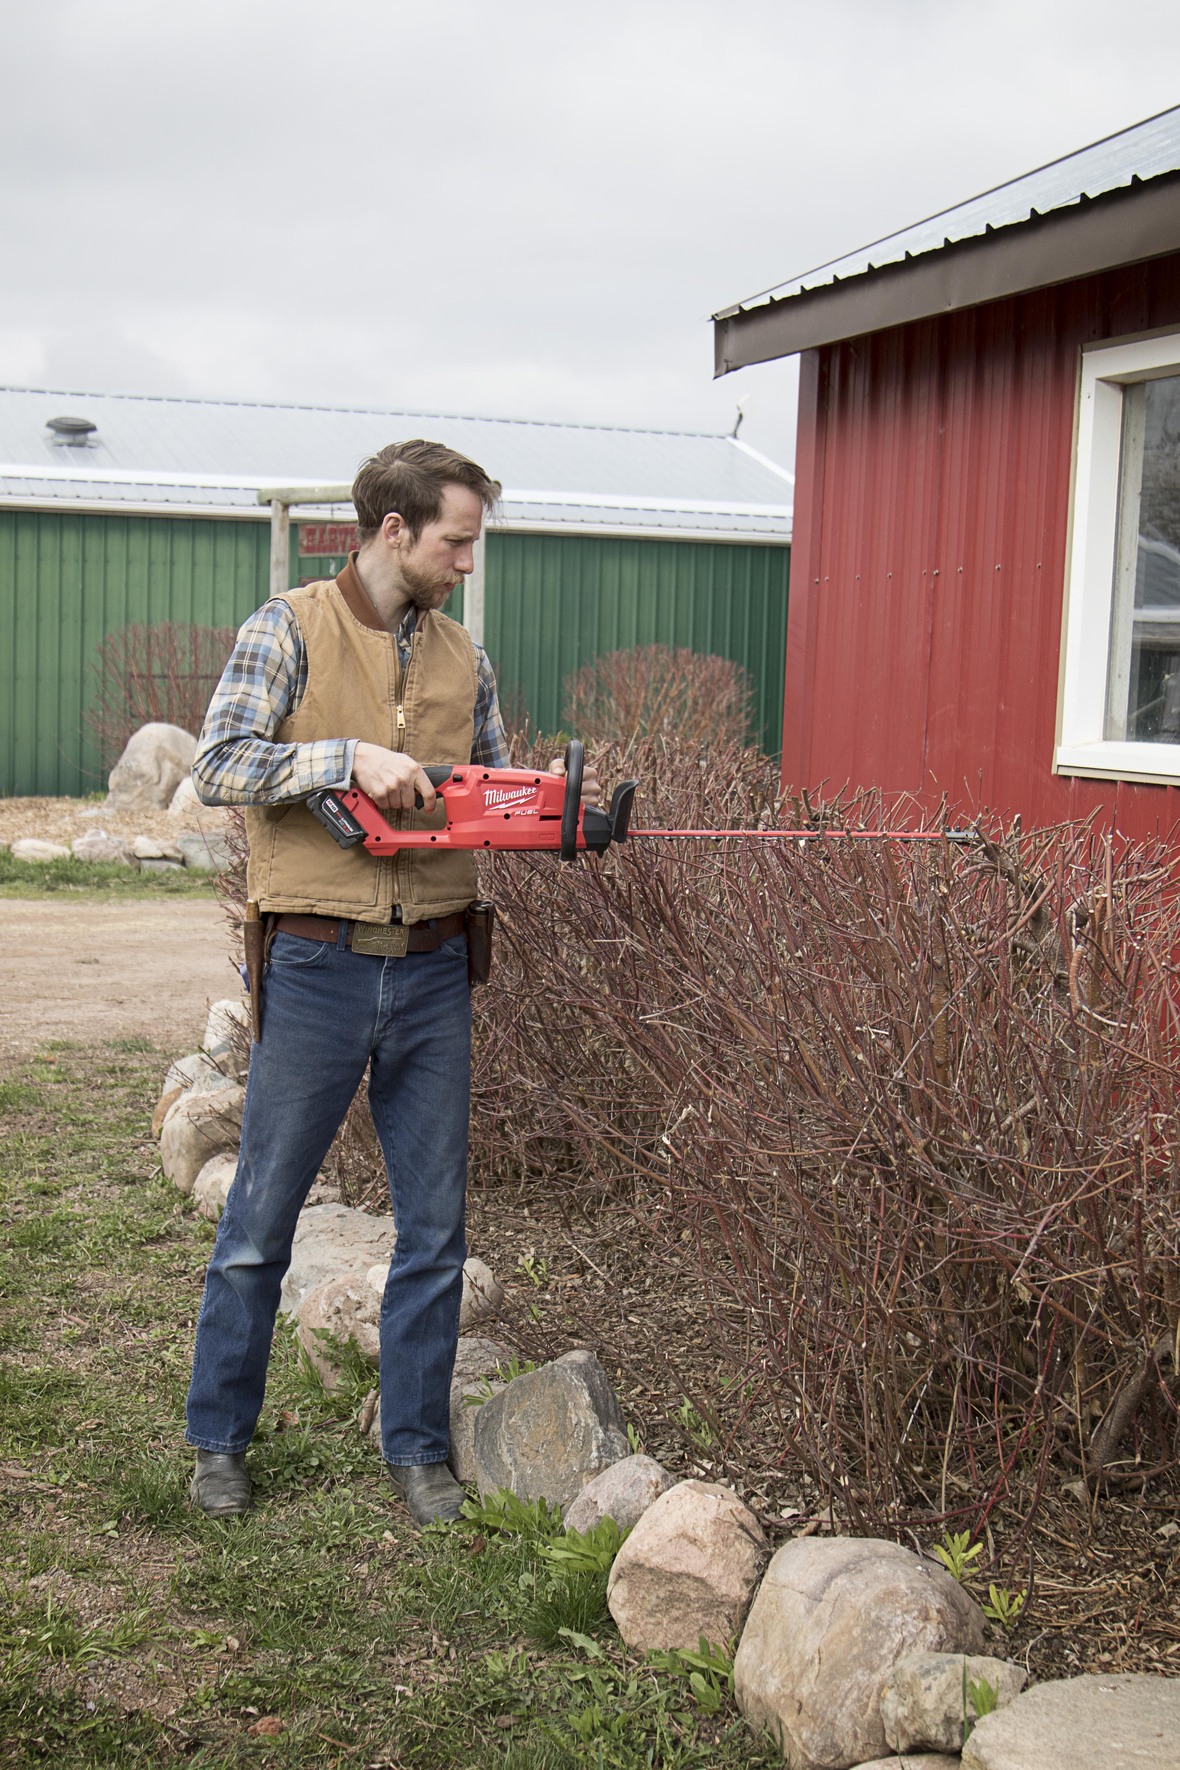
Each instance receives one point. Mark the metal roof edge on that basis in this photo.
(1126, 225)
(130, 507)
(637, 532)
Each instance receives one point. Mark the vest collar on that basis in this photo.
(356, 599)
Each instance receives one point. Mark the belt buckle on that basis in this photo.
(389, 940)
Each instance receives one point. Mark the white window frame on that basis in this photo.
(1082, 747)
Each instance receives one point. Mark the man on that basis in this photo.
(338, 683)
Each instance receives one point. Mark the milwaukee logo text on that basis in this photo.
(507, 795)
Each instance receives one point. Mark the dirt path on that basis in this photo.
(109, 971)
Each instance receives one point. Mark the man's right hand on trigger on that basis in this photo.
(392, 779)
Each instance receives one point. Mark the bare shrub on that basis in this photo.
(914, 1106)
(660, 691)
(907, 1113)
(165, 672)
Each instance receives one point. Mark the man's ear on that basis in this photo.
(393, 528)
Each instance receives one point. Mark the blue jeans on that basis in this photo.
(327, 1012)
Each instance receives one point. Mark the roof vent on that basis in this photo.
(72, 432)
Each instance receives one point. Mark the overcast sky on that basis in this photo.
(524, 210)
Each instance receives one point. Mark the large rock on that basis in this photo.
(829, 1623)
(927, 1761)
(474, 1379)
(482, 1294)
(112, 850)
(340, 1310)
(152, 766)
(33, 848)
(205, 851)
(482, 1291)
(198, 1071)
(334, 1241)
(185, 807)
(227, 1033)
(202, 1124)
(551, 1431)
(1125, 1721)
(148, 850)
(212, 1184)
(925, 1696)
(689, 1568)
(623, 1492)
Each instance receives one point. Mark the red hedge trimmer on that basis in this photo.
(532, 811)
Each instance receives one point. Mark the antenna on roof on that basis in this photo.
(737, 423)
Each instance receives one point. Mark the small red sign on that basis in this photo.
(318, 539)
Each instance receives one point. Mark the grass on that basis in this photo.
(135, 1633)
(37, 878)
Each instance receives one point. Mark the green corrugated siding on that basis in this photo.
(554, 602)
(66, 581)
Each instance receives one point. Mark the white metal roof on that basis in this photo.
(1146, 150)
(211, 457)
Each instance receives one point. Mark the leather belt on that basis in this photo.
(385, 939)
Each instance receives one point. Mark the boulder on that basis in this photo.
(340, 1310)
(156, 759)
(197, 1070)
(482, 1294)
(689, 1568)
(623, 1492)
(482, 1291)
(926, 1761)
(161, 866)
(476, 1356)
(922, 1702)
(227, 1032)
(97, 845)
(164, 1106)
(334, 1241)
(212, 1184)
(1124, 1721)
(550, 1431)
(147, 848)
(32, 848)
(204, 851)
(202, 1124)
(185, 807)
(830, 1621)
(466, 1401)
(475, 1362)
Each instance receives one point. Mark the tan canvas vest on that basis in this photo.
(356, 688)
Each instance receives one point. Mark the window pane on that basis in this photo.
(1144, 695)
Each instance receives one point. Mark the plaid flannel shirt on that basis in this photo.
(237, 760)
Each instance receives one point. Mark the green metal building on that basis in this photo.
(117, 511)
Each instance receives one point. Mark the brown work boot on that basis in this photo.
(431, 1493)
(220, 1485)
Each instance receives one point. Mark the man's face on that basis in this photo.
(442, 555)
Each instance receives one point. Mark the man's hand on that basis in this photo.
(591, 791)
(391, 779)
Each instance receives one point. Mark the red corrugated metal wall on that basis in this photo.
(931, 511)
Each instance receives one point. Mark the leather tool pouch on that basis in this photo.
(254, 947)
(481, 919)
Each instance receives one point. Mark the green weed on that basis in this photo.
(1004, 1606)
(956, 1551)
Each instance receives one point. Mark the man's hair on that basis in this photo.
(411, 477)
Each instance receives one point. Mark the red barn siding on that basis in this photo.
(932, 504)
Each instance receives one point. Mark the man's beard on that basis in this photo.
(425, 590)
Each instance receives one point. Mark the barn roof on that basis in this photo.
(1114, 202)
(211, 457)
